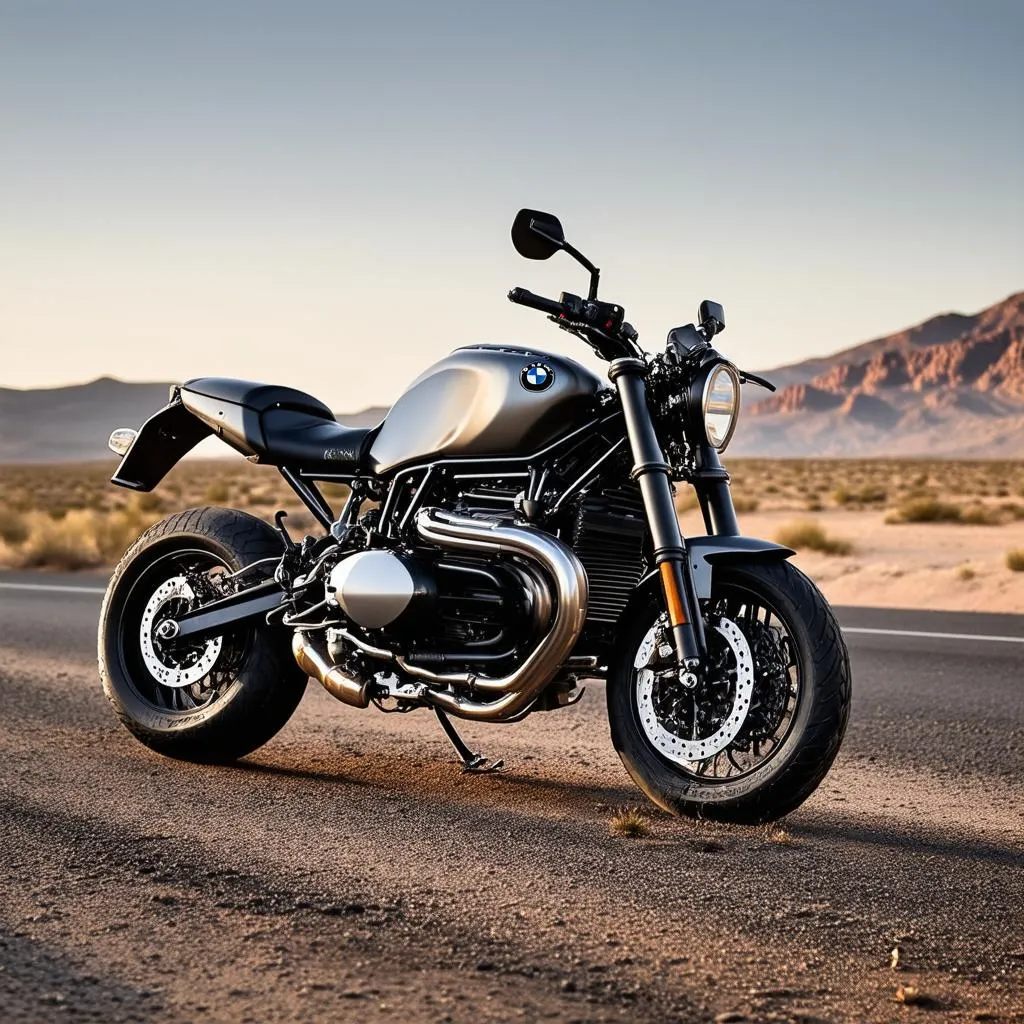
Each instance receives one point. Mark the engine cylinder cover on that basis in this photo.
(374, 588)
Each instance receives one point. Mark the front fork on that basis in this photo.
(653, 474)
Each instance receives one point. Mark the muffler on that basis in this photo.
(313, 659)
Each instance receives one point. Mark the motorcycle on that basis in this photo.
(509, 532)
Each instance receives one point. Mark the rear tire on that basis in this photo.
(246, 682)
(809, 742)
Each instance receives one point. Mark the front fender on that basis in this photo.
(164, 438)
(704, 553)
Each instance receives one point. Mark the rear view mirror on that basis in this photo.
(536, 235)
(712, 311)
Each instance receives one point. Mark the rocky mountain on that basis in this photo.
(72, 424)
(953, 386)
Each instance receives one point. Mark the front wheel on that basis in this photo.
(757, 734)
(214, 700)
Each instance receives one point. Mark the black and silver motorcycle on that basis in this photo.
(509, 531)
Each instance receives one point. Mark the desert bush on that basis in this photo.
(68, 543)
(925, 510)
(743, 503)
(981, 515)
(115, 532)
(217, 493)
(147, 501)
(81, 539)
(1015, 560)
(13, 529)
(965, 573)
(810, 535)
(867, 494)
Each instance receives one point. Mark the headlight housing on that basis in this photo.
(720, 404)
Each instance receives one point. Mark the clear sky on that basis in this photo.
(319, 193)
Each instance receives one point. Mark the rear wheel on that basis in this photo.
(760, 730)
(214, 700)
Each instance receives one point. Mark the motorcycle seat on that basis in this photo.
(277, 425)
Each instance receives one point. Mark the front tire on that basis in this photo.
(212, 701)
(809, 713)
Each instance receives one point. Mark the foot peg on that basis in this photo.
(472, 764)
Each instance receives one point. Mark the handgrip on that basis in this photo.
(527, 298)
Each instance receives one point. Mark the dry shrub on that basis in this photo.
(933, 510)
(965, 573)
(1015, 560)
(925, 510)
(630, 822)
(742, 503)
(217, 493)
(810, 535)
(68, 543)
(981, 515)
(82, 539)
(868, 494)
(13, 529)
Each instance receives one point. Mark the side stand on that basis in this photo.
(476, 764)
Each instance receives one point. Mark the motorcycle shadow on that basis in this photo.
(399, 774)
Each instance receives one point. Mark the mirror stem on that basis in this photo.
(595, 274)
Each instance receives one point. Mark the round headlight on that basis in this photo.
(721, 405)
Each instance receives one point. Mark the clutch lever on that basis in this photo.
(753, 378)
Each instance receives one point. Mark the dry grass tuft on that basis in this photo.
(965, 573)
(780, 836)
(811, 536)
(13, 529)
(908, 994)
(1015, 560)
(631, 823)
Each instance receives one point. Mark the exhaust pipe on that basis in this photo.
(314, 660)
(562, 578)
(517, 690)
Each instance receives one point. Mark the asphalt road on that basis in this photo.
(348, 871)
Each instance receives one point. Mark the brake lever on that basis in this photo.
(753, 378)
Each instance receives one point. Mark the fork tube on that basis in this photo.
(711, 483)
(653, 475)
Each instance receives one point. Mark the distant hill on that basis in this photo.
(952, 386)
(72, 424)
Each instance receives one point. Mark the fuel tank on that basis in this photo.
(485, 400)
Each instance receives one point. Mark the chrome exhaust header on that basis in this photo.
(558, 585)
(314, 660)
(559, 567)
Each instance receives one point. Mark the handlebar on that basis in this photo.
(527, 298)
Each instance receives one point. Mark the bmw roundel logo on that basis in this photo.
(537, 377)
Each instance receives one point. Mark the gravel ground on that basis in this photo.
(349, 872)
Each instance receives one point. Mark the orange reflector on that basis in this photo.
(676, 615)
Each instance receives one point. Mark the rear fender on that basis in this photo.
(704, 554)
(164, 438)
